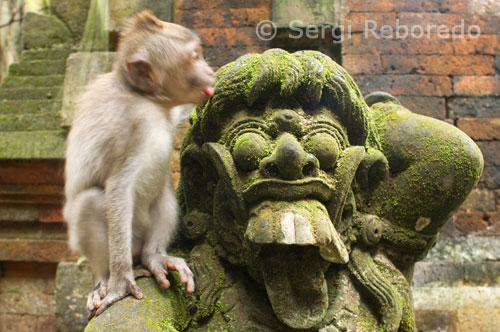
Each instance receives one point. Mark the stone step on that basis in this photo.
(21, 250)
(47, 144)
(38, 67)
(445, 274)
(43, 81)
(29, 106)
(457, 308)
(50, 54)
(31, 93)
(30, 122)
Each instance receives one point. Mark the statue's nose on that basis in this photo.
(289, 160)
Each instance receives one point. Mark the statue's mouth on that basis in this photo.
(315, 188)
(297, 242)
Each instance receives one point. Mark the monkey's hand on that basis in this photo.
(160, 264)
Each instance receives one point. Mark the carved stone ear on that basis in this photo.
(142, 75)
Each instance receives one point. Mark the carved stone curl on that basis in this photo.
(306, 205)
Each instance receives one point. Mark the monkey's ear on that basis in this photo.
(142, 75)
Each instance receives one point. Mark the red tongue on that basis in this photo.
(209, 91)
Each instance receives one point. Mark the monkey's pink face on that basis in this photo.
(194, 84)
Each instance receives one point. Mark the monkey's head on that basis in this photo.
(163, 61)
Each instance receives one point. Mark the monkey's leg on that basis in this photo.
(163, 218)
(87, 235)
(119, 205)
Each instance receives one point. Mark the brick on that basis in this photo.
(491, 171)
(461, 107)
(174, 161)
(179, 135)
(482, 273)
(470, 222)
(441, 6)
(50, 214)
(223, 17)
(51, 251)
(229, 36)
(429, 106)
(359, 44)
(486, 23)
(357, 22)
(437, 274)
(28, 296)
(29, 270)
(479, 200)
(46, 324)
(18, 213)
(480, 128)
(31, 194)
(438, 64)
(478, 318)
(484, 44)
(370, 6)
(17, 323)
(436, 320)
(220, 55)
(206, 4)
(476, 85)
(32, 172)
(409, 85)
(362, 64)
(494, 223)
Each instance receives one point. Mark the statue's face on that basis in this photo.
(286, 176)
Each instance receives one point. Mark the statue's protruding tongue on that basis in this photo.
(298, 241)
(295, 284)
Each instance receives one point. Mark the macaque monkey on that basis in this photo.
(120, 204)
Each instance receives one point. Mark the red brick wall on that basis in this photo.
(455, 79)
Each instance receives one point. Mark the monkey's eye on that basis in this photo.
(248, 151)
(197, 55)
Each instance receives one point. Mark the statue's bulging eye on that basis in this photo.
(325, 148)
(248, 151)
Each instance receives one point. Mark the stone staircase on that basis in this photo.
(30, 103)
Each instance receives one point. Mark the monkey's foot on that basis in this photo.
(95, 297)
(117, 290)
(159, 265)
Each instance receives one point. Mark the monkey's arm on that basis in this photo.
(163, 218)
(433, 167)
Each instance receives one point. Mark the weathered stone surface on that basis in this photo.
(15, 299)
(159, 310)
(31, 93)
(473, 107)
(29, 106)
(52, 251)
(81, 68)
(33, 81)
(44, 31)
(120, 10)
(45, 54)
(73, 283)
(480, 200)
(48, 144)
(30, 122)
(436, 320)
(463, 249)
(316, 13)
(491, 173)
(73, 13)
(38, 67)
